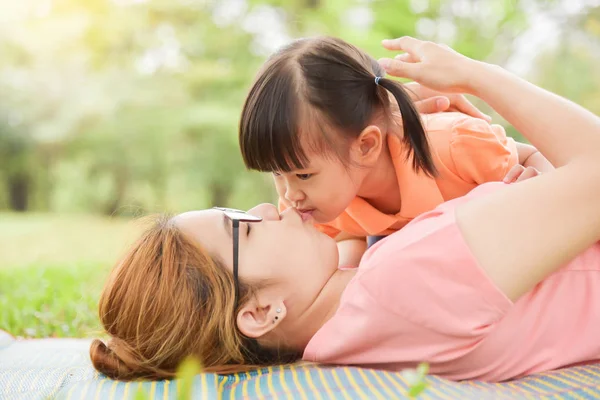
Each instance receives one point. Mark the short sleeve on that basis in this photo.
(481, 152)
(438, 284)
(325, 228)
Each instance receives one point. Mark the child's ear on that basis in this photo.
(368, 146)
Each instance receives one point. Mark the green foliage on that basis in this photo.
(136, 107)
(186, 372)
(141, 394)
(416, 380)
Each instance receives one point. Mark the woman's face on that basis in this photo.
(284, 250)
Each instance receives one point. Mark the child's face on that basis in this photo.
(324, 189)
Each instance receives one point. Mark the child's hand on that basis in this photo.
(433, 65)
(519, 173)
(429, 101)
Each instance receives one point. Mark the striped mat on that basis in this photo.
(60, 369)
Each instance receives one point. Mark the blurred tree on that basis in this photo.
(15, 153)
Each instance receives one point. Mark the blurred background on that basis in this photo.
(113, 109)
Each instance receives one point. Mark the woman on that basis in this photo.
(498, 284)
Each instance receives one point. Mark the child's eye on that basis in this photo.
(276, 173)
(303, 177)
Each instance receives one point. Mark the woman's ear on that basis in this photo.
(367, 147)
(256, 318)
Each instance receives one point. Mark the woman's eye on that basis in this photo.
(303, 177)
(248, 229)
(276, 173)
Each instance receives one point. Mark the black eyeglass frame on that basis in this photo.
(236, 216)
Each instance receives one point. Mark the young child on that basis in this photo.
(347, 148)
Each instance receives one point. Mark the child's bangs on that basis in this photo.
(280, 136)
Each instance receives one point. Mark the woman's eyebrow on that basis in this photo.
(227, 225)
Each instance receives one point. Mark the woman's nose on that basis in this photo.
(266, 211)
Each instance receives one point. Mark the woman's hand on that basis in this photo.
(429, 101)
(435, 66)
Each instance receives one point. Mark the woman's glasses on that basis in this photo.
(235, 216)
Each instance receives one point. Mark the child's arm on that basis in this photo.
(351, 249)
(531, 163)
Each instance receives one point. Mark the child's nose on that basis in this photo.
(294, 195)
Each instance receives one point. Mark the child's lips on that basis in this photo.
(306, 214)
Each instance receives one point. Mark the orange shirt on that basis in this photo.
(466, 152)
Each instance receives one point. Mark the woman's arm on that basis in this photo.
(524, 233)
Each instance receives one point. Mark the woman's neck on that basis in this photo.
(320, 311)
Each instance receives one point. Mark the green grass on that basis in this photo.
(51, 301)
(52, 270)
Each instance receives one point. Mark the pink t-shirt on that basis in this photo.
(419, 295)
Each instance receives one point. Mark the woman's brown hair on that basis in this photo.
(168, 299)
(325, 89)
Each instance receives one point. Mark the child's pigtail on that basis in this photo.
(414, 134)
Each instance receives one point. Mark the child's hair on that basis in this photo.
(314, 92)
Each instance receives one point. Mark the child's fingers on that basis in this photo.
(514, 173)
(528, 173)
